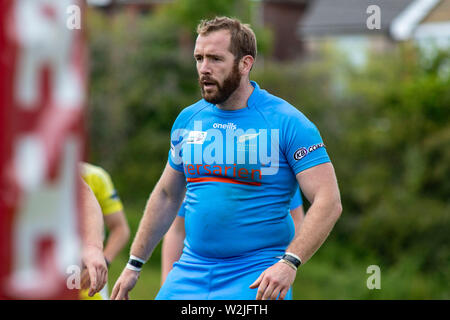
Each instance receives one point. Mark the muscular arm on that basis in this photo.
(320, 187)
(159, 214)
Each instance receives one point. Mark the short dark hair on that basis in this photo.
(243, 40)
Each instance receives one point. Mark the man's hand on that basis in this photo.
(124, 284)
(274, 281)
(95, 264)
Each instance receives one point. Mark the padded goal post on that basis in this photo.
(42, 99)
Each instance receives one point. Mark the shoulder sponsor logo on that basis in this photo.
(316, 146)
(302, 152)
(196, 137)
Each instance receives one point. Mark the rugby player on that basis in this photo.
(238, 155)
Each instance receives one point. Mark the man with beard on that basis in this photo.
(240, 240)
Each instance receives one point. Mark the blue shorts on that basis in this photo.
(199, 278)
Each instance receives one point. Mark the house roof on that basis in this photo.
(335, 17)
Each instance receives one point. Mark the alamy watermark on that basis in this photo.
(226, 144)
(373, 22)
(74, 277)
(73, 21)
(374, 280)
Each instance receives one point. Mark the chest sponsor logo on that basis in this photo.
(196, 137)
(255, 146)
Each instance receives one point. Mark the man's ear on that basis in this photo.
(246, 63)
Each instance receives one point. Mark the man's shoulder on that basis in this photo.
(194, 108)
(278, 108)
(190, 111)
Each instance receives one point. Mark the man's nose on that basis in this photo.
(204, 67)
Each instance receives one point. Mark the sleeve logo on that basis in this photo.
(302, 152)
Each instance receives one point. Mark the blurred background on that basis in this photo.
(373, 75)
(378, 87)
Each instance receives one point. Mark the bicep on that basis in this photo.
(172, 184)
(319, 182)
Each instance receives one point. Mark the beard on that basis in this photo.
(224, 91)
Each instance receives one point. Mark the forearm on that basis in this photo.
(117, 239)
(159, 214)
(92, 218)
(315, 228)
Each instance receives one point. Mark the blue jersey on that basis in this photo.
(296, 202)
(240, 168)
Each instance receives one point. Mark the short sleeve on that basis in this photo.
(303, 146)
(297, 200)
(107, 195)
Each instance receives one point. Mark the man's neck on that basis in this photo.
(238, 99)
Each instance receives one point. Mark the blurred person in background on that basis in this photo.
(113, 216)
(95, 271)
(248, 242)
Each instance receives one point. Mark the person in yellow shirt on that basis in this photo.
(114, 217)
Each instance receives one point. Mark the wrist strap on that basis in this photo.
(131, 267)
(290, 264)
(137, 259)
(292, 258)
(135, 263)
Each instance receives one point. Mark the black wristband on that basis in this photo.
(135, 263)
(296, 262)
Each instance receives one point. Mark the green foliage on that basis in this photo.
(386, 127)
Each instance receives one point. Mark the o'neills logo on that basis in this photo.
(229, 125)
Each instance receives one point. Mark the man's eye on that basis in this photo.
(198, 58)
